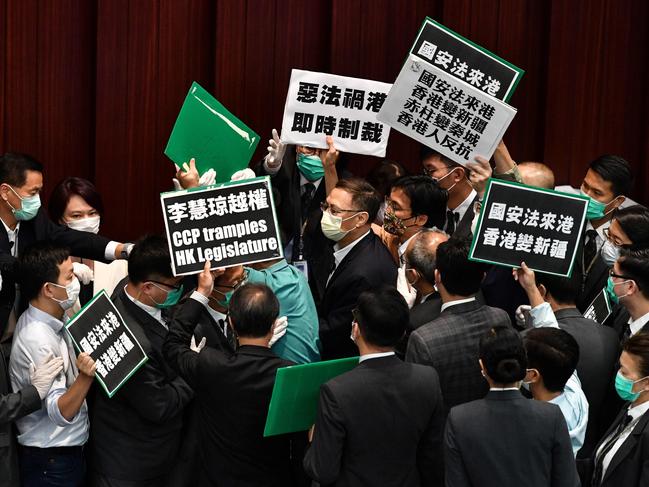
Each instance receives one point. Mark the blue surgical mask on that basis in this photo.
(310, 166)
(29, 206)
(610, 253)
(624, 387)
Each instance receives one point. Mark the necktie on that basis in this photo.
(599, 457)
(451, 219)
(627, 333)
(305, 201)
(590, 248)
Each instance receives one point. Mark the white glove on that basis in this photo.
(281, 324)
(408, 292)
(208, 178)
(199, 347)
(242, 174)
(83, 272)
(520, 314)
(43, 375)
(276, 150)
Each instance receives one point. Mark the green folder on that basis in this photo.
(208, 132)
(294, 403)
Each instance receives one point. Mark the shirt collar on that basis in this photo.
(464, 206)
(404, 245)
(501, 389)
(638, 411)
(36, 314)
(636, 325)
(154, 312)
(340, 254)
(459, 301)
(304, 181)
(601, 238)
(369, 356)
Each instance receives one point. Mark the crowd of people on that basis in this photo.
(468, 374)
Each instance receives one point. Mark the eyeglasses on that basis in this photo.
(619, 276)
(612, 238)
(429, 172)
(390, 204)
(234, 286)
(324, 206)
(175, 288)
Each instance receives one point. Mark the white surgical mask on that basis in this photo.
(89, 224)
(331, 226)
(73, 289)
(610, 252)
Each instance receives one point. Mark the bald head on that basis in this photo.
(537, 174)
(421, 251)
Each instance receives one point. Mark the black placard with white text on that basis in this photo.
(537, 226)
(99, 330)
(229, 224)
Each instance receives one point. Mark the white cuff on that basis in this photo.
(200, 298)
(109, 253)
(543, 316)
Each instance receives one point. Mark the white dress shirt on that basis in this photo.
(217, 316)
(151, 310)
(636, 325)
(458, 301)
(369, 356)
(38, 334)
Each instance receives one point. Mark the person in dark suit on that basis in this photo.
(622, 455)
(297, 176)
(606, 183)
(628, 284)
(24, 222)
(136, 434)
(233, 392)
(450, 342)
(403, 430)
(598, 350)
(362, 262)
(17, 405)
(505, 439)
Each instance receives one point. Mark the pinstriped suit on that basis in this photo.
(450, 344)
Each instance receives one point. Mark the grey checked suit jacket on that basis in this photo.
(450, 344)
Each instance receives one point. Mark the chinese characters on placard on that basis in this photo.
(450, 117)
(201, 208)
(101, 332)
(553, 245)
(334, 96)
(458, 68)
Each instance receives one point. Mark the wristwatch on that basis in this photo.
(126, 251)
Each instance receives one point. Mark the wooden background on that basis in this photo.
(92, 88)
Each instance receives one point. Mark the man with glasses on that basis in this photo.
(362, 262)
(136, 435)
(628, 284)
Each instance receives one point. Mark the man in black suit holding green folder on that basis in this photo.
(382, 422)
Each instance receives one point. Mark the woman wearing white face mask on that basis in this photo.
(76, 203)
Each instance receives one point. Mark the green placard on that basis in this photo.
(208, 132)
(294, 403)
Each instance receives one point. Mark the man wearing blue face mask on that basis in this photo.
(136, 435)
(24, 222)
(606, 182)
(298, 181)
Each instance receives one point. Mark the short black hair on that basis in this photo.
(503, 355)
(634, 221)
(14, 167)
(616, 171)
(634, 264)
(39, 263)
(364, 196)
(426, 198)
(564, 290)
(459, 275)
(149, 259)
(554, 353)
(421, 257)
(382, 316)
(426, 152)
(253, 309)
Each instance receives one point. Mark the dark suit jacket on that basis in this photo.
(505, 440)
(594, 281)
(425, 312)
(450, 344)
(12, 406)
(598, 352)
(288, 203)
(630, 464)
(367, 265)
(136, 435)
(500, 290)
(81, 244)
(396, 442)
(463, 227)
(232, 393)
